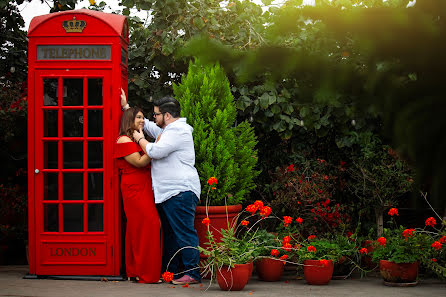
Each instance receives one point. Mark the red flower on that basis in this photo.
(167, 276)
(299, 220)
(286, 239)
(265, 211)
(436, 245)
(343, 163)
(287, 221)
(443, 239)
(324, 262)
(393, 212)
(325, 177)
(212, 180)
(431, 222)
(349, 234)
(214, 188)
(258, 204)
(251, 208)
(408, 233)
(311, 237)
(363, 251)
(287, 247)
(434, 260)
(311, 248)
(244, 223)
(382, 241)
(290, 168)
(284, 257)
(206, 221)
(274, 252)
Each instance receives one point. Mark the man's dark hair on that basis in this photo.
(170, 105)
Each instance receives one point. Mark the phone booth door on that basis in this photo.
(74, 223)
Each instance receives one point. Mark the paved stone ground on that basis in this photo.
(13, 284)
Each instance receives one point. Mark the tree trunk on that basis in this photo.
(379, 221)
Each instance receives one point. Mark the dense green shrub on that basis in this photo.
(223, 149)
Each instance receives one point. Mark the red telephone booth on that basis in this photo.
(77, 66)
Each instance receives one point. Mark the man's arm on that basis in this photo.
(168, 143)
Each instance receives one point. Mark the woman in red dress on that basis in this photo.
(143, 242)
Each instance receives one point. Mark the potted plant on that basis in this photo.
(224, 149)
(229, 260)
(269, 256)
(318, 255)
(399, 253)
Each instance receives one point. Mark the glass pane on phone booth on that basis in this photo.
(50, 120)
(50, 185)
(50, 154)
(72, 92)
(51, 218)
(73, 186)
(95, 186)
(95, 123)
(50, 90)
(73, 217)
(94, 91)
(73, 153)
(95, 218)
(73, 122)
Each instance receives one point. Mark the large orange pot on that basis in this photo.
(220, 216)
(233, 279)
(316, 273)
(398, 272)
(269, 270)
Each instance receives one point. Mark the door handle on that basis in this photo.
(36, 171)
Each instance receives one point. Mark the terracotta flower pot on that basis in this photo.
(269, 270)
(398, 272)
(316, 273)
(233, 279)
(219, 220)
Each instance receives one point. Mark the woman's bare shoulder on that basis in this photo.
(123, 139)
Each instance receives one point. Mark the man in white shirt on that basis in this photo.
(176, 185)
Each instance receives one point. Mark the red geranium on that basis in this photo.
(290, 168)
(258, 204)
(443, 239)
(167, 276)
(274, 252)
(363, 251)
(287, 221)
(287, 247)
(265, 211)
(286, 239)
(251, 208)
(408, 233)
(436, 245)
(284, 257)
(311, 237)
(382, 241)
(206, 221)
(244, 223)
(431, 222)
(212, 180)
(393, 212)
(311, 248)
(324, 262)
(299, 220)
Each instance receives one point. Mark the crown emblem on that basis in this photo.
(74, 25)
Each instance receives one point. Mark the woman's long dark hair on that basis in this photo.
(127, 121)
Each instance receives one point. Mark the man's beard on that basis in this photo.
(161, 124)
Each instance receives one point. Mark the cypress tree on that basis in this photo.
(222, 148)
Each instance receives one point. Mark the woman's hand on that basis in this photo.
(124, 104)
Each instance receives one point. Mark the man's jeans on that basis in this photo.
(177, 218)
